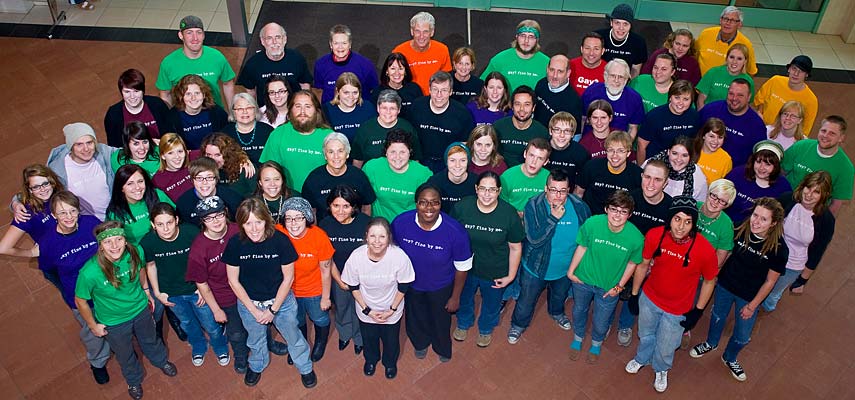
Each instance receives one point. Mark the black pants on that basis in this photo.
(237, 334)
(388, 334)
(428, 324)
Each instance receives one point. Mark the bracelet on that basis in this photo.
(366, 310)
(393, 308)
(270, 308)
(619, 288)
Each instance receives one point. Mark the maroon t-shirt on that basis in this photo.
(205, 265)
(173, 183)
(145, 116)
(478, 170)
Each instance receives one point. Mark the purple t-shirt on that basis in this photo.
(38, 224)
(483, 116)
(64, 255)
(327, 72)
(743, 131)
(433, 252)
(748, 191)
(206, 266)
(173, 183)
(628, 108)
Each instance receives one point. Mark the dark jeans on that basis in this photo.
(530, 289)
(428, 324)
(236, 334)
(121, 340)
(388, 334)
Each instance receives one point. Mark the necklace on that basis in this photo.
(612, 39)
(251, 139)
(759, 239)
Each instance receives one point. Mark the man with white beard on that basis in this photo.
(626, 102)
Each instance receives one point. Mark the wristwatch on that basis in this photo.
(270, 308)
(393, 308)
(366, 310)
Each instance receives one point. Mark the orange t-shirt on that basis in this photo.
(423, 64)
(312, 248)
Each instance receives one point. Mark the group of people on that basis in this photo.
(608, 178)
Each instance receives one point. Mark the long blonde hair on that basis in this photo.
(770, 243)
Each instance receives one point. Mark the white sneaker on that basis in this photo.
(633, 366)
(198, 360)
(661, 382)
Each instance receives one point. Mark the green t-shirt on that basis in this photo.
(395, 192)
(607, 252)
(170, 258)
(139, 224)
(717, 80)
(512, 141)
(803, 157)
(517, 188)
(719, 231)
(211, 65)
(299, 154)
(516, 70)
(646, 87)
(113, 306)
(150, 164)
(370, 137)
(489, 235)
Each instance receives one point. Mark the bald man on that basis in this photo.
(554, 92)
(276, 59)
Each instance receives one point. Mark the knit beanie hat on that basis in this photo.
(301, 205)
(686, 205)
(622, 11)
(453, 145)
(73, 132)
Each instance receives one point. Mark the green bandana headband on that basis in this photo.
(529, 29)
(110, 233)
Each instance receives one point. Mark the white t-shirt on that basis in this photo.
(784, 141)
(378, 281)
(798, 234)
(89, 182)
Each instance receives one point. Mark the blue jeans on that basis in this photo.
(784, 282)
(722, 304)
(312, 307)
(286, 322)
(491, 302)
(530, 289)
(659, 334)
(583, 296)
(512, 291)
(193, 319)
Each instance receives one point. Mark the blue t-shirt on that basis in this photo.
(748, 191)
(64, 255)
(661, 127)
(483, 116)
(743, 131)
(38, 224)
(194, 128)
(628, 108)
(348, 122)
(433, 253)
(563, 244)
(327, 72)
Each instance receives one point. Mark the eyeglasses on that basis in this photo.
(244, 109)
(40, 187)
(567, 131)
(719, 200)
(201, 179)
(561, 192)
(730, 20)
(790, 115)
(426, 203)
(291, 220)
(214, 217)
(617, 210)
(280, 92)
(616, 151)
(70, 213)
(491, 190)
(527, 36)
(616, 77)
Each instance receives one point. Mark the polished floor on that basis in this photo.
(802, 351)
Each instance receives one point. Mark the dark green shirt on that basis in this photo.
(489, 235)
(170, 258)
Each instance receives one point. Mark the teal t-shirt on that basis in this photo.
(211, 65)
(802, 158)
(563, 243)
(113, 306)
(517, 188)
(150, 164)
(395, 192)
(139, 224)
(516, 70)
(299, 154)
(646, 87)
(489, 235)
(719, 231)
(716, 81)
(608, 252)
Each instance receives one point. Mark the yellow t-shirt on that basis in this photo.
(775, 92)
(712, 52)
(715, 165)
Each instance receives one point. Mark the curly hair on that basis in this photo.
(233, 154)
(181, 87)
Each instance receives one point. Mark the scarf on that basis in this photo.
(687, 176)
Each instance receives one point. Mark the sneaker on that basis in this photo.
(421, 354)
(135, 391)
(624, 337)
(514, 335)
(661, 382)
(100, 374)
(685, 340)
(169, 369)
(633, 366)
(735, 369)
(484, 340)
(700, 349)
(563, 322)
(251, 378)
(575, 350)
(459, 334)
(309, 380)
(223, 359)
(198, 360)
(444, 359)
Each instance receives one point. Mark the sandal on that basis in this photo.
(86, 6)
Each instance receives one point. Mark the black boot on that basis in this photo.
(322, 334)
(176, 324)
(275, 346)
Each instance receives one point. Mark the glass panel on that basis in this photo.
(792, 5)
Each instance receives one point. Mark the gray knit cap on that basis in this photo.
(301, 205)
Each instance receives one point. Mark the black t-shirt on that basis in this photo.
(437, 131)
(513, 141)
(450, 192)
(259, 68)
(252, 143)
(633, 50)
(572, 160)
(661, 127)
(409, 93)
(646, 216)
(345, 238)
(465, 91)
(260, 263)
(320, 182)
(745, 270)
(186, 204)
(599, 182)
(549, 103)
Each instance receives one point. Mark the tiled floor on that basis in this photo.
(771, 46)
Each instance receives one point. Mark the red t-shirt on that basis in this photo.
(173, 183)
(669, 285)
(205, 266)
(425, 63)
(581, 76)
(312, 248)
